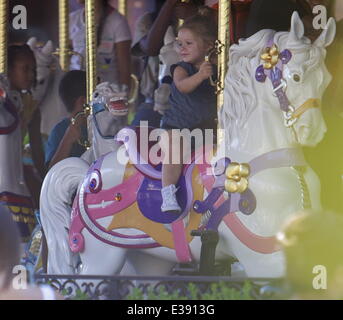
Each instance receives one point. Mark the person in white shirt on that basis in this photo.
(114, 42)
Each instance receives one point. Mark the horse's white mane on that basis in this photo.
(240, 95)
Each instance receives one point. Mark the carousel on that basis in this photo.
(100, 213)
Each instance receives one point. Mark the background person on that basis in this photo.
(63, 141)
(114, 41)
(10, 253)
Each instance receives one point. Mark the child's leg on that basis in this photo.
(172, 162)
(171, 170)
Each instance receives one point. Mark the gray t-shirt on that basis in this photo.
(192, 109)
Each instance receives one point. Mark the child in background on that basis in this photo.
(22, 78)
(193, 98)
(64, 137)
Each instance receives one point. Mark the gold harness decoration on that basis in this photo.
(270, 56)
(237, 177)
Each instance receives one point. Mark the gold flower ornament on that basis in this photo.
(237, 177)
(270, 56)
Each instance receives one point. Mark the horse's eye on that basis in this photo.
(296, 78)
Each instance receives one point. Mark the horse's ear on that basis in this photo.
(48, 48)
(297, 28)
(32, 43)
(328, 34)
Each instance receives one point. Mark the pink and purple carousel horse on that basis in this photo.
(108, 212)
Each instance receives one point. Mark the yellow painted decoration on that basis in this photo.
(26, 210)
(130, 170)
(131, 217)
(270, 56)
(237, 177)
(14, 209)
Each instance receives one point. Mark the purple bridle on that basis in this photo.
(279, 84)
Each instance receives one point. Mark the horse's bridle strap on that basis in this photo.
(309, 104)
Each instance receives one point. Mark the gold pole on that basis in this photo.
(222, 44)
(122, 7)
(64, 52)
(91, 46)
(181, 21)
(3, 35)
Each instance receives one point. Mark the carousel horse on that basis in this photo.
(109, 213)
(49, 75)
(14, 193)
(109, 115)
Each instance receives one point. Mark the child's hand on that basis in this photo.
(74, 130)
(205, 70)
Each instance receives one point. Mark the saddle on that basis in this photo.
(149, 197)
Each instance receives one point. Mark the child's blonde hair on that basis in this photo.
(203, 24)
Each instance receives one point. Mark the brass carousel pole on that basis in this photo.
(181, 21)
(3, 35)
(91, 46)
(222, 44)
(133, 94)
(122, 7)
(64, 51)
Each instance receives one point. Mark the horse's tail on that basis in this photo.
(59, 187)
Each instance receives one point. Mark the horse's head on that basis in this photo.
(44, 57)
(110, 109)
(307, 78)
(296, 70)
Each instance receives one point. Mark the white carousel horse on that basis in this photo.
(49, 75)
(106, 122)
(268, 114)
(13, 190)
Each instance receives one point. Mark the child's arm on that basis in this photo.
(153, 42)
(185, 83)
(71, 136)
(122, 50)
